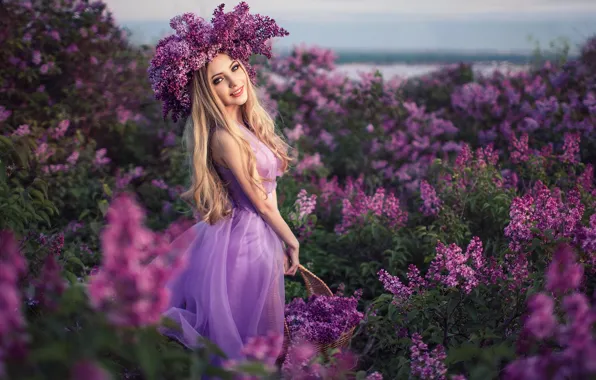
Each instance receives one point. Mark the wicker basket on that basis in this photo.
(315, 286)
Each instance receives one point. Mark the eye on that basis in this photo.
(217, 80)
(235, 67)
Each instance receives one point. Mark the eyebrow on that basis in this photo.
(232, 64)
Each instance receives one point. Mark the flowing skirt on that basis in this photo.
(232, 287)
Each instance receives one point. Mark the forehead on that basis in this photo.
(219, 63)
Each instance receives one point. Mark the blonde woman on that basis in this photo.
(232, 287)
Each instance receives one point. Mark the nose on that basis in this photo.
(233, 82)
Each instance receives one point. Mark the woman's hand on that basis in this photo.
(291, 260)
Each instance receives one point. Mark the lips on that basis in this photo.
(238, 92)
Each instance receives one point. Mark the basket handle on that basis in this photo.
(314, 285)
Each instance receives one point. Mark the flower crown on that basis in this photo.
(196, 42)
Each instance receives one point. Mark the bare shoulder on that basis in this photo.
(223, 146)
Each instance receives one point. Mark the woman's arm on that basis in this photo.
(229, 151)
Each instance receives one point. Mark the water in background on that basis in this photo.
(405, 70)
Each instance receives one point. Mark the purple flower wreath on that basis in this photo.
(196, 42)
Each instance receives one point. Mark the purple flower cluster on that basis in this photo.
(196, 42)
(380, 205)
(571, 148)
(432, 203)
(305, 204)
(322, 319)
(264, 349)
(12, 321)
(543, 209)
(90, 370)
(309, 162)
(427, 365)
(573, 343)
(130, 284)
(301, 364)
(450, 268)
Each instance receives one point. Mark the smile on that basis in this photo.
(238, 92)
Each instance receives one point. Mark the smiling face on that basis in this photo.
(228, 80)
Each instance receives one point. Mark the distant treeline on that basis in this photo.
(433, 57)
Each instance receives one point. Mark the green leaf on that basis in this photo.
(36, 194)
(71, 277)
(52, 351)
(461, 354)
(212, 347)
(83, 214)
(103, 206)
(2, 172)
(147, 355)
(77, 261)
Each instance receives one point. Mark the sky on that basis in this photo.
(325, 10)
(503, 25)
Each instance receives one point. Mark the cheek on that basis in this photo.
(239, 75)
(221, 91)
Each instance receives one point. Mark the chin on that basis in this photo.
(241, 100)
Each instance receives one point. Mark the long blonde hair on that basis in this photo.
(207, 189)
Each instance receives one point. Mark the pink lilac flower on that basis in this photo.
(564, 274)
(89, 370)
(36, 57)
(570, 348)
(300, 363)
(122, 180)
(60, 131)
(159, 183)
(425, 364)
(309, 162)
(72, 48)
(73, 158)
(450, 268)
(541, 322)
(464, 156)
(294, 134)
(4, 113)
(305, 204)
(130, 285)
(100, 158)
(380, 205)
(43, 152)
(393, 285)
(432, 203)
(571, 148)
(521, 213)
(519, 150)
(586, 179)
(22, 130)
(328, 139)
(12, 322)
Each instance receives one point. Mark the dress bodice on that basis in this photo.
(268, 166)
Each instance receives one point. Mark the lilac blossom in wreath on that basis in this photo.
(196, 42)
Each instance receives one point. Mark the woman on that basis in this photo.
(232, 287)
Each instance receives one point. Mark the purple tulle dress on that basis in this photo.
(232, 287)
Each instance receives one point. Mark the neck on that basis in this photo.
(235, 113)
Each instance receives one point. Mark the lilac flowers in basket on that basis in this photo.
(322, 319)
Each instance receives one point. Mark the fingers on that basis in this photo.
(292, 270)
